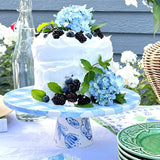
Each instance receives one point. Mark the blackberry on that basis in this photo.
(77, 84)
(57, 33)
(46, 99)
(72, 88)
(69, 81)
(65, 89)
(59, 99)
(99, 33)
(71, 97)
(70, 34)
(82, 99)
(80, 37)
(89, 35)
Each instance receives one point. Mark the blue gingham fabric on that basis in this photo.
(21, 100)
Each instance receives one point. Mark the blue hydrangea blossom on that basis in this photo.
(75, 17)
(105, 86)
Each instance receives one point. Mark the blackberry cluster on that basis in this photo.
(82, 99)
(59, 99)
(80, 37)
(99, 33)
(57, 33)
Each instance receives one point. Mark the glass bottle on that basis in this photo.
(22, 60)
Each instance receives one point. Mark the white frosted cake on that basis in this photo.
(57, 59)
(72, 59)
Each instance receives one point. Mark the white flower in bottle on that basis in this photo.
(128, 57)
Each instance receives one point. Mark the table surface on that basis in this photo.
(34, 140)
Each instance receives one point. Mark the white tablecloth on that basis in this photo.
(34, 140)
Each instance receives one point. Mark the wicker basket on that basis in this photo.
(151, 63)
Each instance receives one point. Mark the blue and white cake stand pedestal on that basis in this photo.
(73, 127)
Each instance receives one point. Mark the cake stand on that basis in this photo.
(73, 127)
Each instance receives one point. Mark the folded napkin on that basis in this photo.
(3, 124)
(141, 114)
(61, 157)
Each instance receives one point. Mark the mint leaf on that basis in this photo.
(90, 105)
(54, 87)
(46, 30)
(120, 98)
(85, 87)
(97, 70)
(96, 27)
(86, 64)
(41, 26)
(38, 94)
(104, 64)
(53, 23)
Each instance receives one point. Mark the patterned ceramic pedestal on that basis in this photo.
(73, 127)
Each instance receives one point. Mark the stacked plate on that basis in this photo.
(139, 142)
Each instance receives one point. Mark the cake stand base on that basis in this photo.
(73, 132)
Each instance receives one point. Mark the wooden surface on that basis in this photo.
(3, 109)
(131, 28)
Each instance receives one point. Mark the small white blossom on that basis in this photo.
(9, 37)
(2, 31)
(115, 66)
(128, 57)
(131, 2)
(2, 49)
(129, 75)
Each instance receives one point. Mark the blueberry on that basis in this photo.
(94, 34)
(46, 99)
(88, 35)
(70, 34)
(69, 81)
(45, 35)
(65, 89)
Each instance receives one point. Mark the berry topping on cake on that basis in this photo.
(82, 99)
(46, 99)
(59, 99)
(80, 37)
(70, 34)
(71, 97)
(99, 33)
(88, 35)
(69, 81)
(65, 89)
(57, 33)
(94, 34)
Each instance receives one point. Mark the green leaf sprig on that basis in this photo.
(43, 27)
(120, 98)
(96, 27)
(38, 94)
(54, 87)
(92, 70)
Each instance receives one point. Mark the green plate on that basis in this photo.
(142, 140)
(121, 156)
(127, 155)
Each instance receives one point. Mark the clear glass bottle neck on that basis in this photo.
(25, 6)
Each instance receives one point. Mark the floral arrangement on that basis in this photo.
(155, 8)
(134, 77)
(7, 43)
(100, 86)
(76, 18)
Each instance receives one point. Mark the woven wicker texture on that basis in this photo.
(151, 63)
